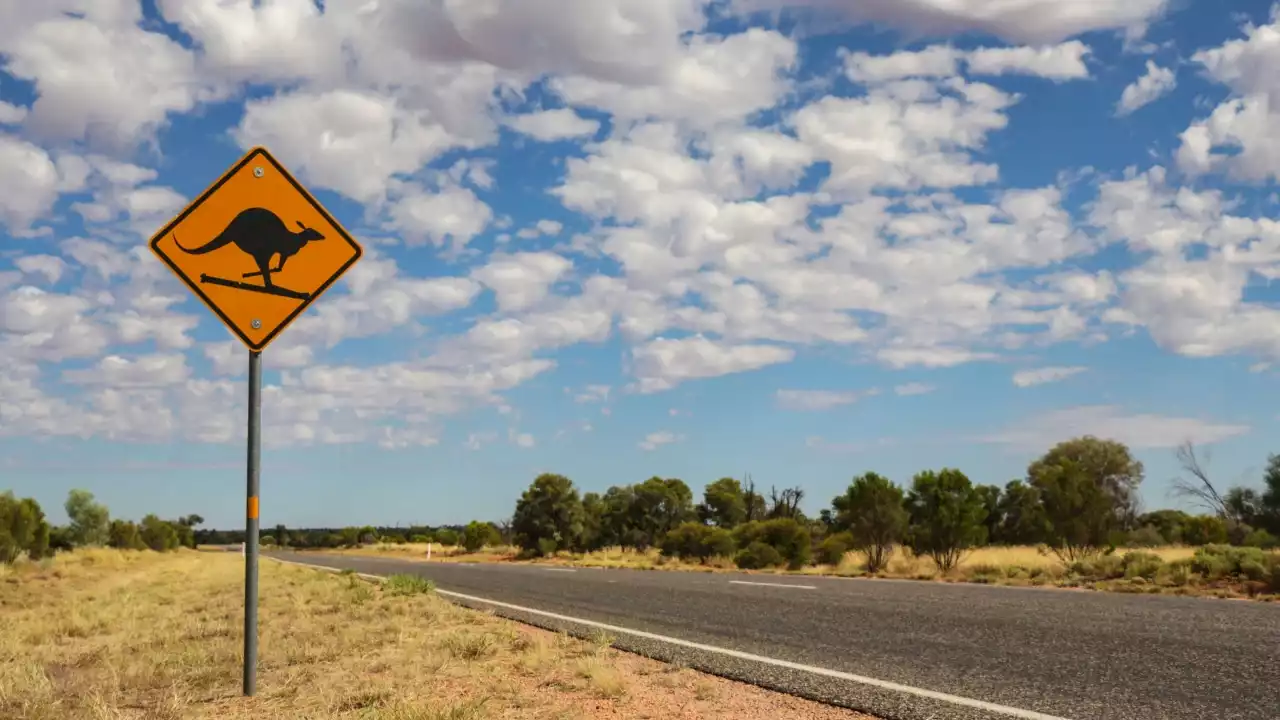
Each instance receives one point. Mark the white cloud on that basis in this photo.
(662, 364)
(1138, 430)
(655, 440)
(1029, 21)
(551, 125)
(913, 388)
(1057, 62)
(1041, 376)
(592, 394)
(815, 399)
(522, 280)
(49, 266)
(11, 114)
(1156, 83)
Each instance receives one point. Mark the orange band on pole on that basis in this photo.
(253, 508)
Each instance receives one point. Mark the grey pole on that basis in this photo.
(251, 527)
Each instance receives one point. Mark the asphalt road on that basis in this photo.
(1029, 653)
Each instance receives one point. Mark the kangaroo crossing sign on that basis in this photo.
(256, 248)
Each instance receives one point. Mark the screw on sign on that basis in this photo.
(238, 237)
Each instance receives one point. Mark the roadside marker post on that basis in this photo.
(257, 249)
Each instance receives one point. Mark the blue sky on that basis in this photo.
(623, 238)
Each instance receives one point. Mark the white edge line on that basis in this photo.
(781, 585)
(762, 659)
(551, 569)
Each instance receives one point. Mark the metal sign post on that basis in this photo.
(251, 525)
(231, 253)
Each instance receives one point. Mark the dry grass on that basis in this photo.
(109, 635)
(1019, 565)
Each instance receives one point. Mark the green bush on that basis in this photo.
(445, 536)
(1139, 564)
(833, 548)
(477, 535)
(697, 541)
(1261, 539)
(1147, 536)
(420, 539)
(985, 573)
(1102, 567)
(788, 537)
(758, 555)
(1218, 562)
(1179, 572)
(1204, 530)
(407, 585)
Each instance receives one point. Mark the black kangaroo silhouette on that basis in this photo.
(261, 235)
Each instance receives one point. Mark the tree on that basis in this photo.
(753, 500)
(548, 516)
(786, 504)
(658, 506)
(1167, 522)
(723, 504)
(477, 535)
(786, 536)
(993, 516)
(158, 534)
(23, 529)
(872, 511)
(123, 534)
(1270, 500)
(90, 520)
(1107, 463)
(1245, 504)
(593, 511)
(1204, 530)
(695, 540)
(1080, 511)
(282, 536)
(947, 516)
(1022, 518)
(1232, 508)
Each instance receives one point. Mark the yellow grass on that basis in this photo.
(1019, 565)
(101, 634)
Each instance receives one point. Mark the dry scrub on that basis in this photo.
(117, 634)
(1022, 566)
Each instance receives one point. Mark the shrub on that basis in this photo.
(1217, 562)
(834, 547)
(1261, 539)
(985, 573)
(1144, 565)
(1146, 536)
(407, 585)
(420, 539)
(1204, 530)
(758, 555)
(695, 540)
(479, 534)
(1102, 567)
(1179, 572)
(445, 536)
(789, 538)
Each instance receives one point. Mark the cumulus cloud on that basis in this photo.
(1041, 376)
(1156, 83)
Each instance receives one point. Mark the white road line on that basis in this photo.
(747, 582)
(559, 569)
(765, 660)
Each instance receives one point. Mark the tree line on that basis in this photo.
(26, 532)
(1078, 499)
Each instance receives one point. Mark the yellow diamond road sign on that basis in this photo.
(257, 248)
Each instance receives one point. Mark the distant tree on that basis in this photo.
(1106, 463)
(23, 529)
(446, 536)
(1168, 523)
(871, 510)
(1204, 530)
(478, 535)
(90, 520)
(947, 516)
(593, 517)
(723, 504)
(1022, 518)
(994, 515)
(1244, 504)
(123, 534)
(1081, 512)
(753, 500)
(157, 534)
(282, 536)
(1269, 503)
(548, 516)
(658, 506)
(785, 504)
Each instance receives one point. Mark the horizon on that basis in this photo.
(633, 238)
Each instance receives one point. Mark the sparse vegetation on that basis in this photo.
(107, 633)
(1073, 521)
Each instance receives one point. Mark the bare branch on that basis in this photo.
(1198, 488)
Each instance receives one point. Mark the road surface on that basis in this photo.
(902, 649)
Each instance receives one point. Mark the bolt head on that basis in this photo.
(257, 172)
(256, 324)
